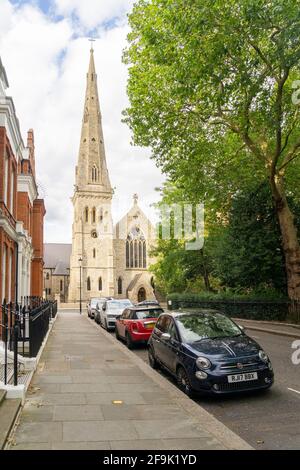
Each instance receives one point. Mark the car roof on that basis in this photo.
(179, 313)
(145, 307)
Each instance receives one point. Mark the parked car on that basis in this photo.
(135, 325)
(112, 309)
(99, 306)
(91, 306)
(207, 352)
(148, 303)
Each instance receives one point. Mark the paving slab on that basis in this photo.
(90, 392)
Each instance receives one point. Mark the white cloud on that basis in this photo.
(46, 67)
(91, 13)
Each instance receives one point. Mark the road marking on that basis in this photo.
(292, 390)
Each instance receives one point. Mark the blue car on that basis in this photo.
(207, 352)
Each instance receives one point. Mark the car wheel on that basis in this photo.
(129, 342)
(152, 360)
(183, 381)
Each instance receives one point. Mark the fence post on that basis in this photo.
(4, 316)
(15, 339)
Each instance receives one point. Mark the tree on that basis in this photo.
(210, 89)
(249, 253)
(176, 268)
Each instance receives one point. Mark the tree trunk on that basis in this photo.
(290, 241)
(206, 279)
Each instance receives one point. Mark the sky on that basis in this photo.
(44, 48)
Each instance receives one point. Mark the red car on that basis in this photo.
(135, 325)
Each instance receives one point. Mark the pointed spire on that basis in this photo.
(92, 168)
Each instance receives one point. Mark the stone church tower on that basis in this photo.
(92, 238)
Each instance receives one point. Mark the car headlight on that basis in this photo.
(203, 363)
(263, 356)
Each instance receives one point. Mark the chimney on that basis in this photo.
(30, 145)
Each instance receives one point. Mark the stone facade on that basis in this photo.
(57, 271)
(105, 260)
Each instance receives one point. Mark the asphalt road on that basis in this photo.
(266, 420)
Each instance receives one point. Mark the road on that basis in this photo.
(266, 420)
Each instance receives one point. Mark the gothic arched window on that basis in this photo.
(94, 252)
(127, 254)
(94, 215)
(100, 283)
(95, 174)
(86, 214)
(88, 283)
(136, 256)
(120, 286)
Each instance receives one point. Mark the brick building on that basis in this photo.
(21, 211)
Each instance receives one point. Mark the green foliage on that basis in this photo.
(210, 90)
(203, 80)
(249, 251)
(267, 307)
(177, 269)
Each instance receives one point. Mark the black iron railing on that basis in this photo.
(287, 311)
(23, 327)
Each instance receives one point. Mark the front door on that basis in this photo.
(141, 295)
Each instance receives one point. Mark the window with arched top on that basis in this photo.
(100, 283)
(94, 215)
(120, 285)
(88, 283)
(136, 252)
(95, 173)
(86, 214)
(94, 252)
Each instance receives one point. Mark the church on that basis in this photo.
(106, 259)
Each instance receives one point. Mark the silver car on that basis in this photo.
(98, 311)
(91, 306)
(112, 309)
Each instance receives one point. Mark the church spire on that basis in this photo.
(91, 172)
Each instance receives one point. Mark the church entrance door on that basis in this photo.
(141, 295)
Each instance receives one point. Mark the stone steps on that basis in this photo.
(8, 413)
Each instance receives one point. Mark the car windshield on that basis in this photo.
(94, 302)
(196, 327)
(151, 313)
(118, 305)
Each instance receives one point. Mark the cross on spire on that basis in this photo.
(91, 41)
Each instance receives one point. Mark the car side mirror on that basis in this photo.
(241, 327)
(166, 336)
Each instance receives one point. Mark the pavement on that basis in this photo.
(90, 392)
(275, 328)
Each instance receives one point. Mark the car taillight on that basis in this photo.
(134, 326)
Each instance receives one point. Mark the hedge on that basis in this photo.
(259, 309)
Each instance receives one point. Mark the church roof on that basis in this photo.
(57, 257)
(133, 282)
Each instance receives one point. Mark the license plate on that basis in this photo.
(242, 377)
(149, 326)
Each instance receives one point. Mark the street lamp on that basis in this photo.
(80, 300)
